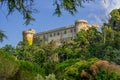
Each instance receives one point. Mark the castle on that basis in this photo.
(60, 34)
(28, 36)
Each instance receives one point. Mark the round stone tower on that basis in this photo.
(28, 36)
(81, 24)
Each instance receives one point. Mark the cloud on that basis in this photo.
(109, 5)
(104, 7)
(96, 18)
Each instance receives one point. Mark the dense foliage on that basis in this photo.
(2, 35)
(93, 55)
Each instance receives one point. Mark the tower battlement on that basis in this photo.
(28, 36)
(66, 33)
(29, 31)
(81, 21)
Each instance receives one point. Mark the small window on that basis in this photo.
(71, 30)
(43, 36)
(54, 34)
(74, 30)
(50, 35)
(64, 32)
(58, 33)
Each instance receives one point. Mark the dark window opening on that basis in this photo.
(64, 32)
(74, 30)
(71, 30)
(54, 34)
(50, 35)
(58, 33)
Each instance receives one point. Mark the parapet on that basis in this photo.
(81, 21)
(28, 36)
(29, 31)
(95, 25)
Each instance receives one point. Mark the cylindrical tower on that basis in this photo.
(81, 24)
(28, 36)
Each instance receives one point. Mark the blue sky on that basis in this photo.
(95, 12)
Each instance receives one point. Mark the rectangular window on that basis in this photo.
(74, 30)
(65, 32)
(71, 30)
(54, 34)
(50, 35)
(43, 36)
(58, 33)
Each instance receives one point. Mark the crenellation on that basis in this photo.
(28, 36)
(60, 34)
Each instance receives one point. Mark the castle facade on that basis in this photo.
(60, 34)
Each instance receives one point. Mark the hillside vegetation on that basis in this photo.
(93, 55)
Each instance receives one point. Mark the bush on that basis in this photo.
(28, 71)
(8, 65)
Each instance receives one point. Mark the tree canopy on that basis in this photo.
(25, 7)
(115, 19)
(2, 35)
(22, 6)
(93, 55)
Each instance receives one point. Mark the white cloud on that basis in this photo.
(104, 7)
(96, 18)
(109, 5)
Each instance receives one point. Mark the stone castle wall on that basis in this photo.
(61, 34)
(28, 36)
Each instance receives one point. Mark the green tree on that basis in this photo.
(9, 65)
(31, 53)
(49, 67)
(66, 50)
(90, 69)
(60, 67)
(115, 19)
(22, 6)
(39, 77)
(104, 70)
(28, 71)
(51, 77)
(69, 5)
(84, 46)
(117, 40)
(87, 42)
(108, 44)
(9, 49)
(72, 72)
(2, 36)
(25, 7)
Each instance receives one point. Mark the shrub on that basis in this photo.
(8, 65)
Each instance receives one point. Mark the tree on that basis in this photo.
(69, 5)
(2, 35)
(60, 67)
(9, 49)
(30, 53)
(22, 6)
(66, 50)
(50, 77)
(25, 7)
(28, 71)
(91, 69)
(8, 65)
(115, 19)
(73, 71)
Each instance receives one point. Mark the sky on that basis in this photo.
(96, 12)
